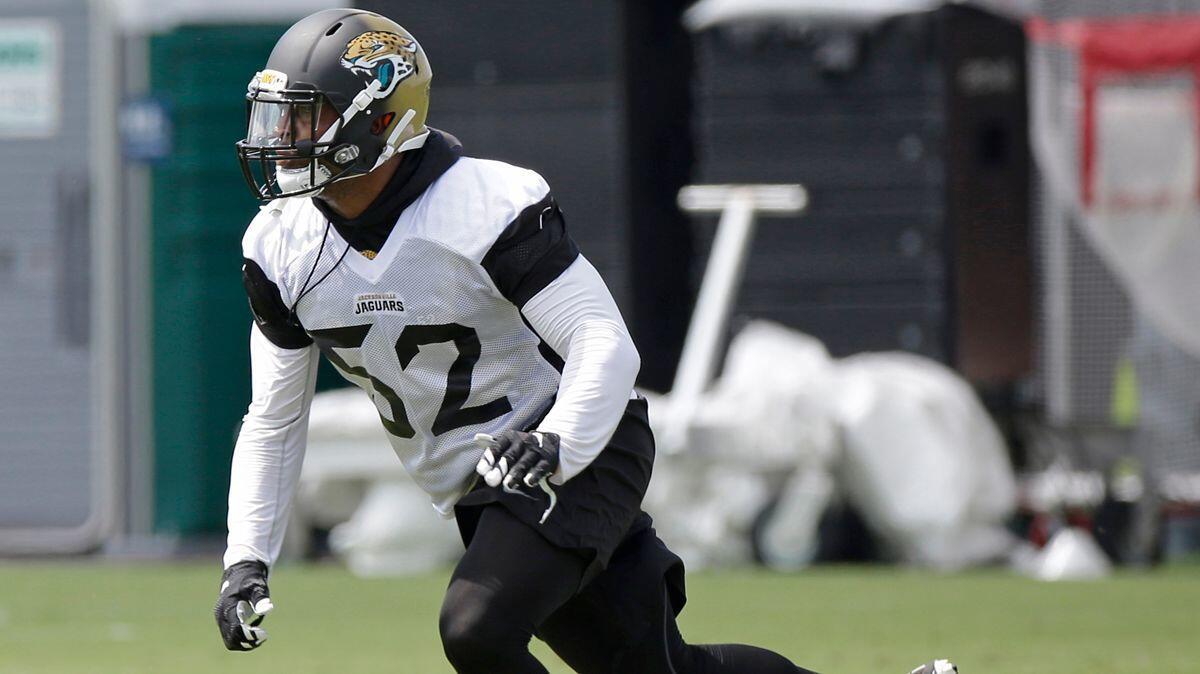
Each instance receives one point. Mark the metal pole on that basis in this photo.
(139, 491)
(107, 384)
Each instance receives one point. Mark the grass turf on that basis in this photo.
(77, 618)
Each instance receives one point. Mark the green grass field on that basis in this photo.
(80, 618)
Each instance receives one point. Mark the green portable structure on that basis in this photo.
(200, 316)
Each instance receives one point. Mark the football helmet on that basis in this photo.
(343, 91)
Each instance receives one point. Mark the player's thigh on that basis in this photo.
(509, 575)
(624, 620)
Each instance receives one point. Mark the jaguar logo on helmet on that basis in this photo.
(381, 56)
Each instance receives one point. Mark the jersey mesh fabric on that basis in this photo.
(437, 286)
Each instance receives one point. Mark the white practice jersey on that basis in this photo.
(462, 323)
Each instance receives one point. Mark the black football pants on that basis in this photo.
(512, 584)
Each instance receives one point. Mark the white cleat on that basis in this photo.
(936, 667)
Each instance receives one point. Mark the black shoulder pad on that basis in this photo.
(531, 252)
(270, 313)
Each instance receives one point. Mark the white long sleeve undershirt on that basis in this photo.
(577, 317)
(270, 449)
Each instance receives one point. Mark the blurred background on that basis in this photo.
(979, 343)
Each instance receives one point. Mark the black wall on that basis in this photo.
(659, 66)
(914, 182)
(865, 267)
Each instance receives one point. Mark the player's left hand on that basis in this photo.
(243, 603)
(517, 458)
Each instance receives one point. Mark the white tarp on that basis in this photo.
(394, 532)
(768, 415)
(901, 438)
(923, 462)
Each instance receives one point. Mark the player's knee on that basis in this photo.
(460, 625)
(461, 643)
(473, 633)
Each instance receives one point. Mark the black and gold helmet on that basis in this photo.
(343, 91)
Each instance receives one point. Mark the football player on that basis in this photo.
(448, 288)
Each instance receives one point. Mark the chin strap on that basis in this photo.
(361, 102)
(393, 146)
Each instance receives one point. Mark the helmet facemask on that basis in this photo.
(344, 91)
(291, 146)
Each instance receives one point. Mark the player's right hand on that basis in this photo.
(516, 458)
(242, 604)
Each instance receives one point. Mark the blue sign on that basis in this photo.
(146, 129)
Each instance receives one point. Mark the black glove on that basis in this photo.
(517, 458)
(243, 603)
